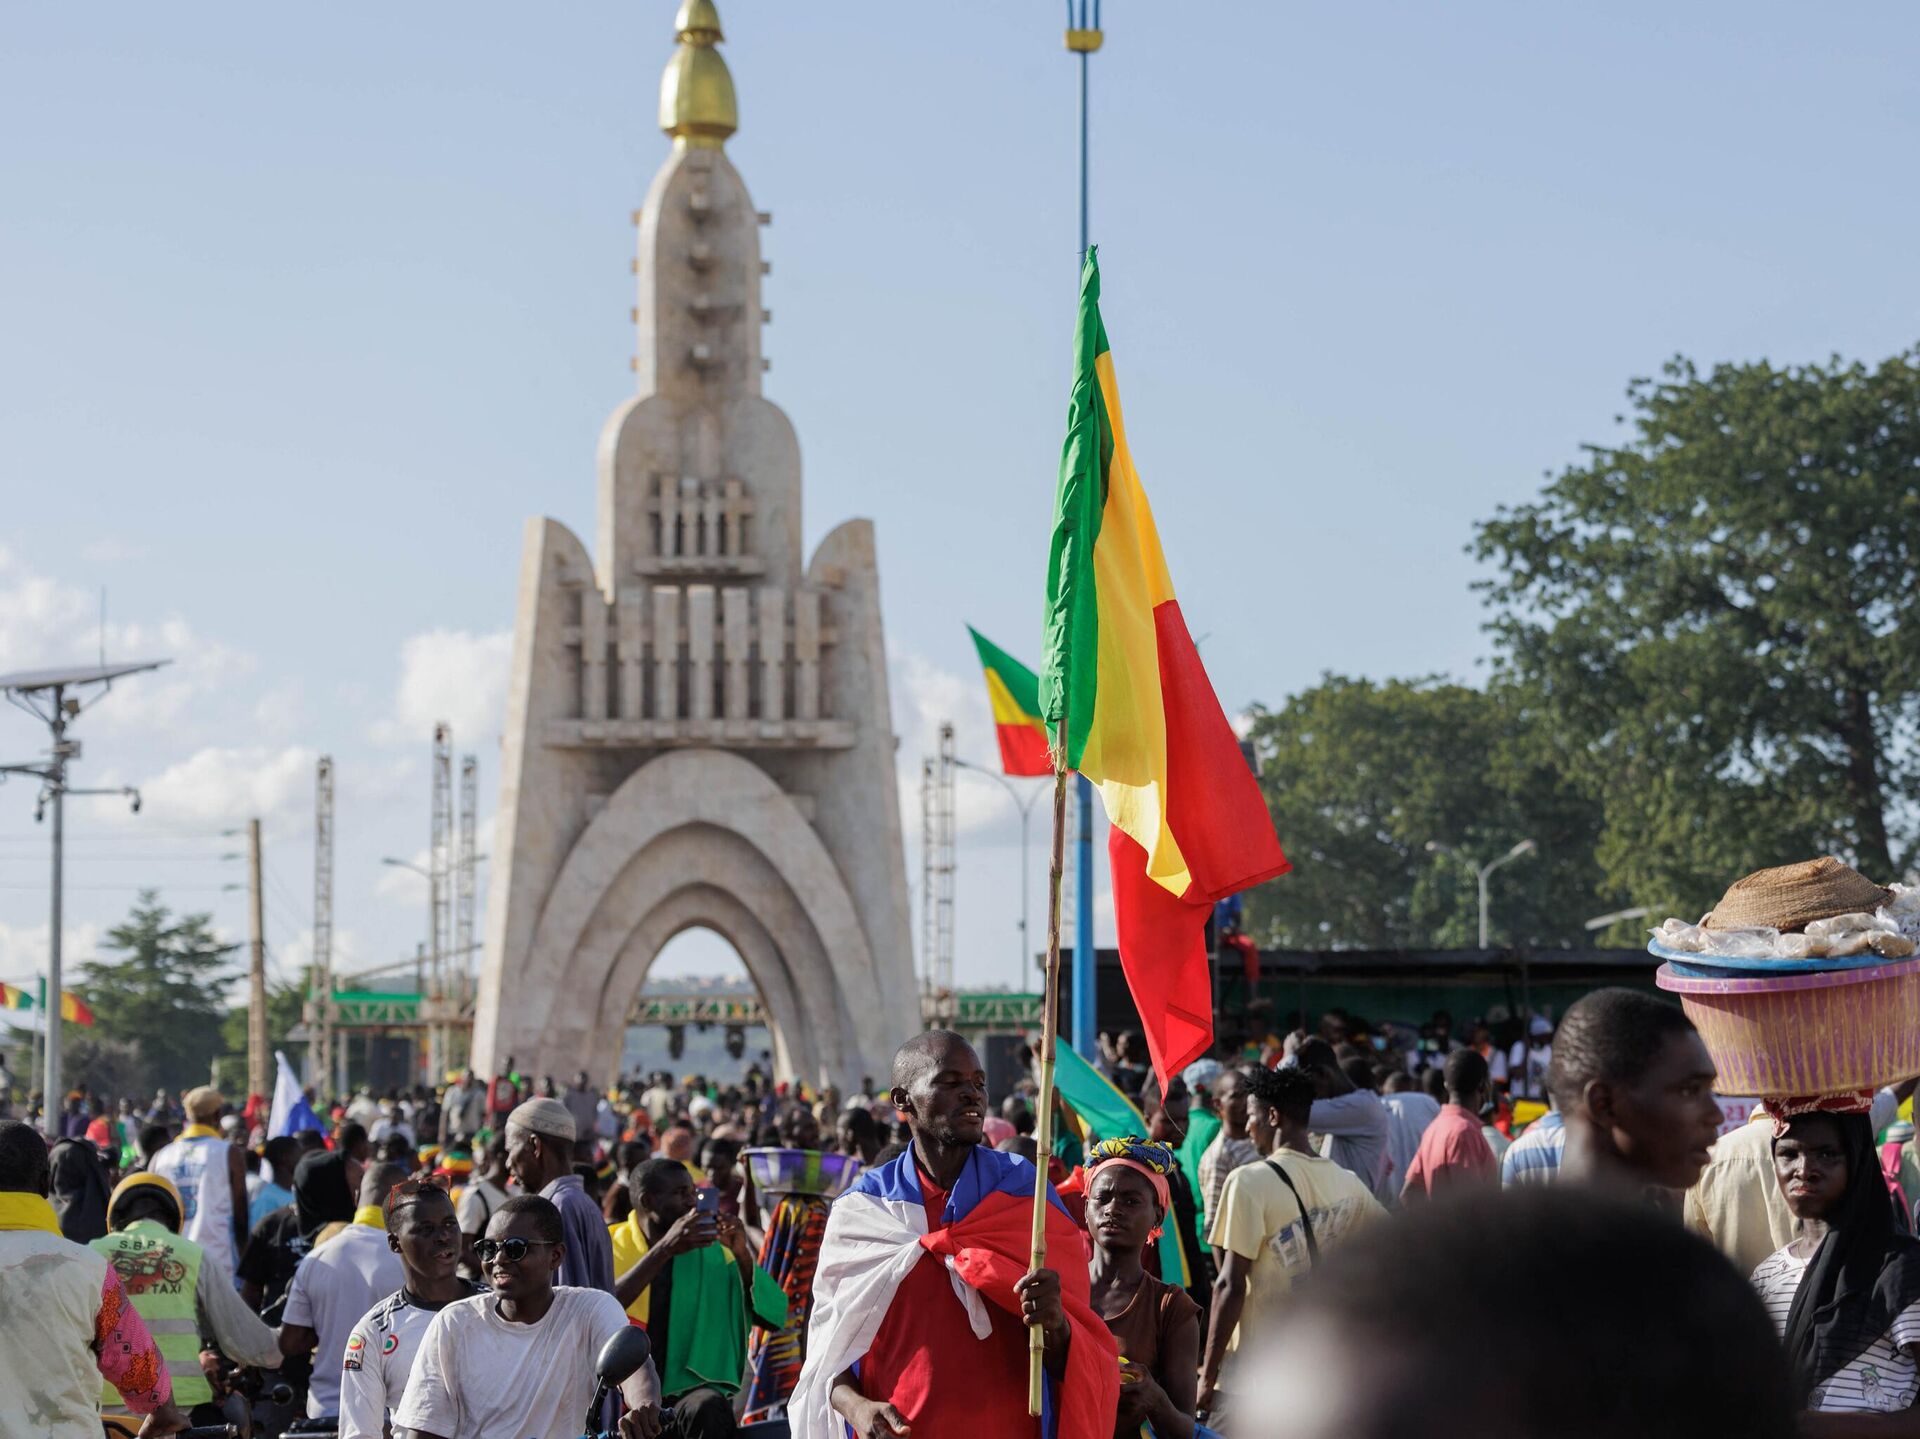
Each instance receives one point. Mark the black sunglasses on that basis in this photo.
(512, 1250)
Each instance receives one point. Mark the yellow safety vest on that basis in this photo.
(161, 1273)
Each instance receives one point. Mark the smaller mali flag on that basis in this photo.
(1014, 692)
(72, 1009)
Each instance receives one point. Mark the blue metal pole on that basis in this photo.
(1086, 998)
(1085, 1030)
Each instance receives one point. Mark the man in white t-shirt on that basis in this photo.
(518, 1363)
(337, 1284)
(423, 1230)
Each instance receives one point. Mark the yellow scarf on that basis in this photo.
(371, 1215)
(199, 1131)
(21, 1210)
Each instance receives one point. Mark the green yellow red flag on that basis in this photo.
(1013, 691)
(1125, 697)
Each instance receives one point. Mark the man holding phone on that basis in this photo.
(687, 1273)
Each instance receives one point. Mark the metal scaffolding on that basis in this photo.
(464, 885)
(439, 899)
(936, 879)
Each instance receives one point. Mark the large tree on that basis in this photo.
(164, 996)
(1719, 620)
(1388, 795)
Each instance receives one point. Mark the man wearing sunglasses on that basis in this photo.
(424, 1231)
(518, 1363)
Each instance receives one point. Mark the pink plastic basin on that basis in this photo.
(1815, 1033)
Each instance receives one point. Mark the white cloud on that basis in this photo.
(23, 948)
(223, 787)
(45, 622)
(451, 675)
(925, 697)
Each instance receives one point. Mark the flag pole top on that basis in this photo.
(697, 105)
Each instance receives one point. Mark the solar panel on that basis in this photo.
(28, 680)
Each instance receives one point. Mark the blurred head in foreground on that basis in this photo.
(1542, 1314)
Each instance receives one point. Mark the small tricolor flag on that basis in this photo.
(1189, 825)
(1014, 692)
(72, 1008)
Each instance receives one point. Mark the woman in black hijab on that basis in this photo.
(1846, 1294)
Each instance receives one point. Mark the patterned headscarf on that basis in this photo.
(1156, 1161)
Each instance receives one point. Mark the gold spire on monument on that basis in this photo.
(697, 106)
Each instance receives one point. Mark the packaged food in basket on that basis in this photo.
(1832, 1006)
(1820, 909)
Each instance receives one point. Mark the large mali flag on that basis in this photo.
(1014, 692)
(1123, 691)
(14, 997)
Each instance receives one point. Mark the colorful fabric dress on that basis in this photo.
(802, 1184)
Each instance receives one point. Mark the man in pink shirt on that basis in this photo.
(1453, 1152)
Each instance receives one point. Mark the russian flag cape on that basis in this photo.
(877, 1231)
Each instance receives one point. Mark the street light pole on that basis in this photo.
(1025, 806)
(1481, 874)
(1524, 847)
(44, 695)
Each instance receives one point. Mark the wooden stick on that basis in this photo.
(1049, 1032)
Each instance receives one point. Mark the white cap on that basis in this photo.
(546, 1117)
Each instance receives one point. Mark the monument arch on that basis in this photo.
(698, 729)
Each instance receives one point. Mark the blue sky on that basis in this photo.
(305, 313)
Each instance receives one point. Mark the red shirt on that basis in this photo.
(1452, 1152)
(927, 1364)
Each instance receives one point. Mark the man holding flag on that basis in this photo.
(923, 1298)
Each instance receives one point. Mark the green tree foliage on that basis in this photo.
(286, 1004)
(164, 997)
(1362, 776)
(1718, 620)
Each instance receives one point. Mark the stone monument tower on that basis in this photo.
(697, 722)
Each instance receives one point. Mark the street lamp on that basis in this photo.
(1601, 921)
(54, 698)
(1526, 846)
(1025, 806)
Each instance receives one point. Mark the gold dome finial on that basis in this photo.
(697, 106)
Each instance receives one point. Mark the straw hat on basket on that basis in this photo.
(1793, 896)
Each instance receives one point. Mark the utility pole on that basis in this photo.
(258, 1080)
(320, 1071)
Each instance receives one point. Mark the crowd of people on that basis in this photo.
(1320, 1235)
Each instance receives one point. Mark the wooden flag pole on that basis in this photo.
(1049, 1033)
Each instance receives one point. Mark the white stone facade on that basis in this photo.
(698, 730)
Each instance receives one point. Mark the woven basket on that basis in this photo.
(1793, 896)
(1818, 1033)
